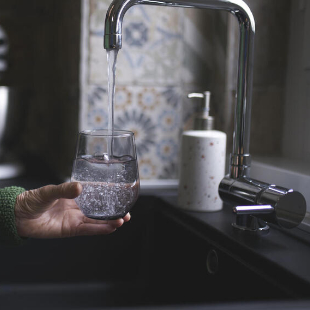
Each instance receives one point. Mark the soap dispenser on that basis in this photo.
(202, 162)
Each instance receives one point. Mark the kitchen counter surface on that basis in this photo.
(285, 253)
(281, 257)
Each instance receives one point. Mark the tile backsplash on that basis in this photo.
(153, 114)
(156, 68)
(169, 52)
(152, 46)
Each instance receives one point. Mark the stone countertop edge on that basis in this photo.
(264, 305)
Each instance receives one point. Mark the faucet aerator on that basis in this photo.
(112, 41)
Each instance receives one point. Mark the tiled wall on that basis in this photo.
(158, 64)
(153, 114)
(169, 52)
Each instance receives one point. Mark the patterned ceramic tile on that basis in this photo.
(152, 46)
(153, 114)
(150, 75)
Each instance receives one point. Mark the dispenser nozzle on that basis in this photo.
(203, 120)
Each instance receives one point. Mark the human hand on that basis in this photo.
(51, 212)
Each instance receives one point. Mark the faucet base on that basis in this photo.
(263, 230)
(250, 223)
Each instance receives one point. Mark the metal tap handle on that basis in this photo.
(274, 204)
(253, 210)
(248, 217)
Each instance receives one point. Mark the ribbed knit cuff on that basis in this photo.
(8, 230)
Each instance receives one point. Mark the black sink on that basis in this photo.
(152, 260)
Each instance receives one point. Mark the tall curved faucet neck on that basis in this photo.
(240, 157)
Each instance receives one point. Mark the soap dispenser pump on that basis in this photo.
(203, 120)
(202, 162)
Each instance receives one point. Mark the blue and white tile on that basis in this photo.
(149, 83)
(153, 114)
(152, 46)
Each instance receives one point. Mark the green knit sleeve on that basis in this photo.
(8, 231)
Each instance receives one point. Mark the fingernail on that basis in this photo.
(75, 185)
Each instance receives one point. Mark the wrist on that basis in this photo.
(8, 228)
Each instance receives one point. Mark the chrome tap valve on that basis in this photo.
(254, 199)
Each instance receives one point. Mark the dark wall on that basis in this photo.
(44, 58)
(272, 18)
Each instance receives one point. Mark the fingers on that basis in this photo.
(115, 223)
(92, 227)
(88, 229)
(127, 217)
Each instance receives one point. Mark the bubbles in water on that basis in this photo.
(110, 185)
(103, 200)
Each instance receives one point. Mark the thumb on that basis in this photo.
(35, 202)
(49, 193)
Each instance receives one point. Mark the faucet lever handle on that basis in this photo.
(249, 217)
(253, 210)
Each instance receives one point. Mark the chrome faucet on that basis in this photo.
(254, 202)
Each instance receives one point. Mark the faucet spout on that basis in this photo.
(240, 157)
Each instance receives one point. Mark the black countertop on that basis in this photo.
(285, 253)
(281, 256)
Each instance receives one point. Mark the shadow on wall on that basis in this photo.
(270, 68)
(44, 61)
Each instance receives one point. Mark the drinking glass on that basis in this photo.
(106, 166)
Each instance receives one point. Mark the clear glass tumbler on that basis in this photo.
(106, 166)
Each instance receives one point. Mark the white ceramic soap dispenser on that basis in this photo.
(202, 165)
